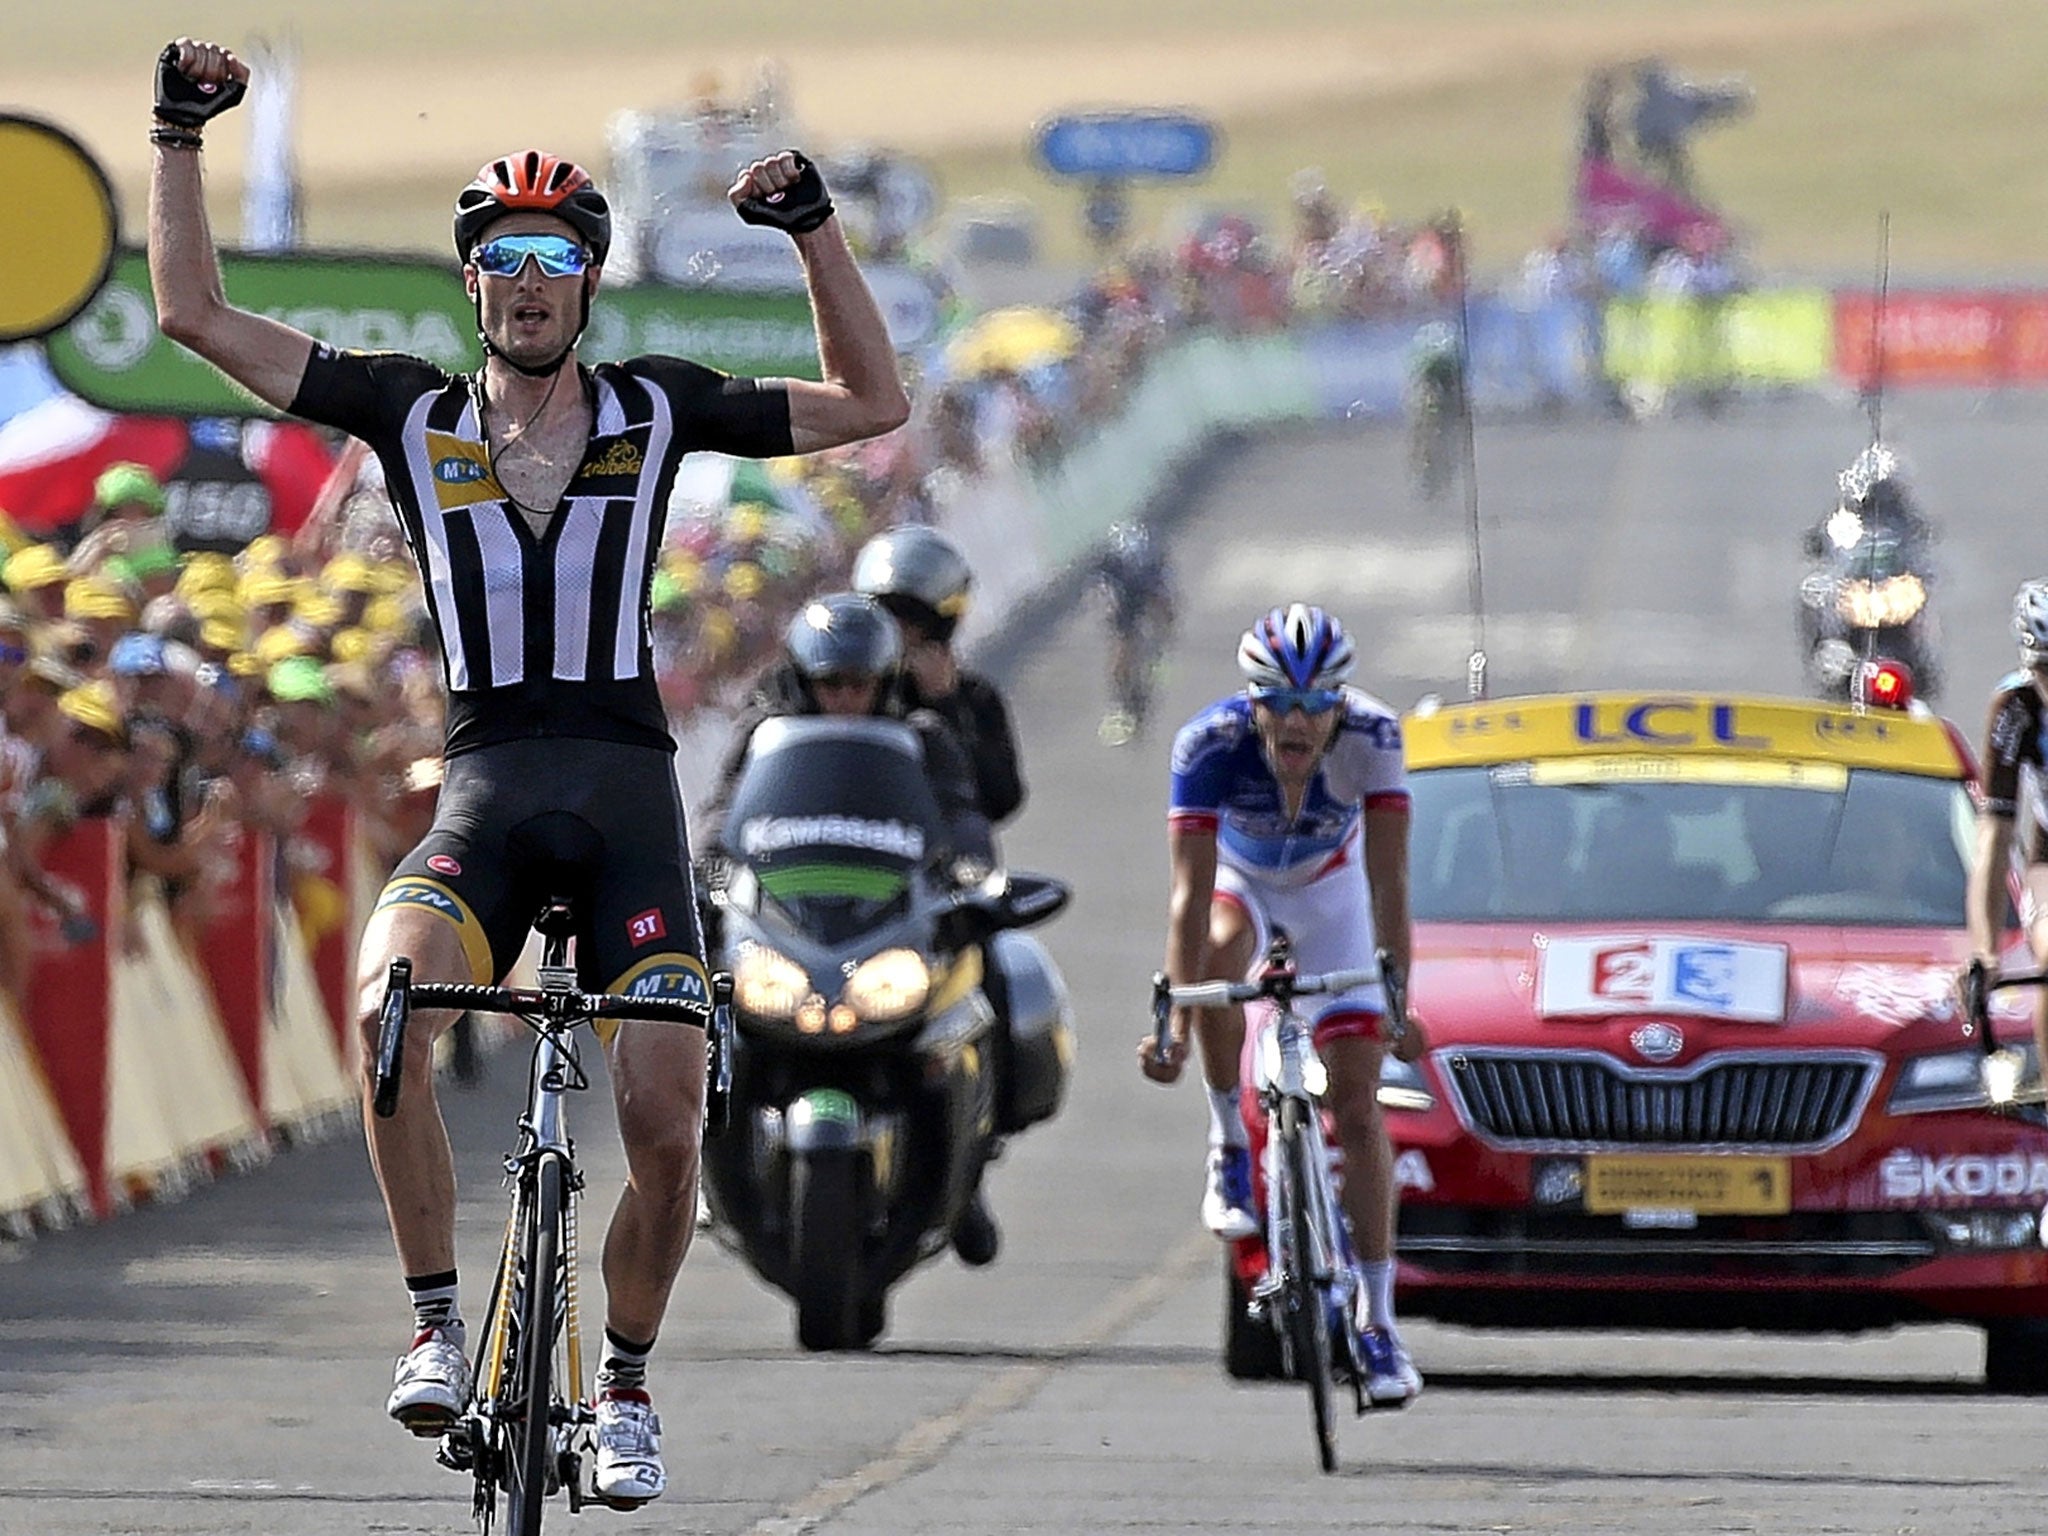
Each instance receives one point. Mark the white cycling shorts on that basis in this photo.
(1330, 921)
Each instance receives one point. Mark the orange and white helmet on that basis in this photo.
(537, 182)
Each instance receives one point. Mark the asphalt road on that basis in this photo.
(219, 1365)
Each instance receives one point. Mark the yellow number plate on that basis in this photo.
(1713, 1186)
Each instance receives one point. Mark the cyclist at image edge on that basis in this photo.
(2016, 797)
(531, 495)
(1290, 810)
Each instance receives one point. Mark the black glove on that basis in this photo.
(798, 208)
(184, 101)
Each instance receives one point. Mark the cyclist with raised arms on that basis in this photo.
(1289, 812)
(532, 494)
(2016, 799)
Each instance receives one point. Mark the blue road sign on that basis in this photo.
(1116, 144)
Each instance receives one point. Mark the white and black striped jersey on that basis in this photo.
(542, 634)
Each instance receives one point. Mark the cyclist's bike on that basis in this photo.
(1309, 1295)
(527, 1427)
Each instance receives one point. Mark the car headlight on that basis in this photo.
(767, 984)
(1882, 604)
(888, 986)
(1402, 1085)
(1948, 1080)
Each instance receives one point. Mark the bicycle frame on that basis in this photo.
(535, 1297)
(1290, 1070)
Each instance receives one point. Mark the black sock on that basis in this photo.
(624, 1367)
(434, 1306)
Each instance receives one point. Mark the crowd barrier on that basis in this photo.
(135, 1061)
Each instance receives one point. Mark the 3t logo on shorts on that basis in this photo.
(646, 928)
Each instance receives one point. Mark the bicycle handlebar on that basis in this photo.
(558, 1005)
(1282, 985)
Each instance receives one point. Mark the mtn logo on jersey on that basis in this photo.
(621, 456)
(462, 471)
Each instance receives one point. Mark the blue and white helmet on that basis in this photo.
(1298, 646)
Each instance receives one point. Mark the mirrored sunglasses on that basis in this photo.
(558, 255)
(1310, 701)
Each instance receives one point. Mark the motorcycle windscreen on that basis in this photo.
(833, 817)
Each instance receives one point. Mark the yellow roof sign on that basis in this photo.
(1667, 725)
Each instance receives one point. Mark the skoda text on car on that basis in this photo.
(1688, 965)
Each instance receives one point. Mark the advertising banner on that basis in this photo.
(113, 355)
(1977, 337)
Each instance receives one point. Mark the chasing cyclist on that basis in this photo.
(2016, 797)
(531, 494)
(1132, 572)
(1290, 811)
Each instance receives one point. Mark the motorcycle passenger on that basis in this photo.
(559, 755)
(1133, 574)
(1875, 501)
(2016, 800)
(1289, 810)
(918, 574)
(842, 656)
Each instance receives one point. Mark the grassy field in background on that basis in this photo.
(1933, 108)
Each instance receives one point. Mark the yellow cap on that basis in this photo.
(384, 614)
(320, 609)
(746, 523)
(94, 706)
(743, 580)
(217, 603)
(206, 572)
(264, 550)
(354, 644)
(283, 640)
(32, 567)
(268, 585)
(243, 664)
(686, 571)
(394, 575)
(89, 597)
(349, 573)
(220, 635)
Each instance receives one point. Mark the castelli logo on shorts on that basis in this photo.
(441, 864)
(646, 928)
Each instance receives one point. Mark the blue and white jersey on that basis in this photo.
(1221, 780)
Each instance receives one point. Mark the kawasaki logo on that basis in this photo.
(771, 834)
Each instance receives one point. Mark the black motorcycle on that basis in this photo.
(872, 1076)
(1865, 596)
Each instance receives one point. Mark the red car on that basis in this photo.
(1696, 1060)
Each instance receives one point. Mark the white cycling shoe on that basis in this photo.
(629, 1470)
(430, 1388)
(1391, 1380)
(1227, 1196)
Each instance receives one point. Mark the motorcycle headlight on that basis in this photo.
(888, 986)
(766, 984)
(1882, 604)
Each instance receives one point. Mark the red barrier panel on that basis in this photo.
(234, 952)
(69, 1008)
(324, 897)
(1929, 338)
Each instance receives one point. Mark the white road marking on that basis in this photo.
(1353, 571)
(925, 1442)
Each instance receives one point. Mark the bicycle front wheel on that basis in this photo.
(1307, 1300)
(530, 1439)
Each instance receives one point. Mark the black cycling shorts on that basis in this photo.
(597, 823)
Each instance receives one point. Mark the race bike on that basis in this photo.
(872, 1077)
(1866, 599)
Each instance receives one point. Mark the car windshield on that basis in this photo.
(1630, 839)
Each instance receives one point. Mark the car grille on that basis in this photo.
(1573, 1101)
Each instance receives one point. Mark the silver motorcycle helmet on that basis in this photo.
(918, 574)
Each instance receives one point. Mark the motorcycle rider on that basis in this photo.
(2016, 799)
(559, 754)
(921, 577)
(1289, 810)
(1874, 498)
(1133, 574)
(842, 655)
